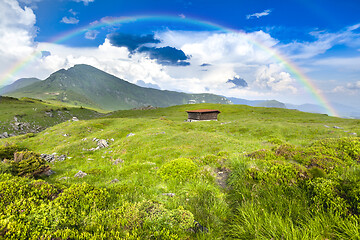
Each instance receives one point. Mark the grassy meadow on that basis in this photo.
(256, 173)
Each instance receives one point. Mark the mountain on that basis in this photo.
(87, 86)
(241, 101)
(271, 103)
(22, 82)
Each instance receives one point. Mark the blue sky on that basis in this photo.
(322, 38)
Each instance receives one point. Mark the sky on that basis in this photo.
(294, 51)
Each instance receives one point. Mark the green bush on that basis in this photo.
(7, 151)
(325, 196)
(180, 169)
(28, 164)
(278, 173)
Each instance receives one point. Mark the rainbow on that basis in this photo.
(295, 70)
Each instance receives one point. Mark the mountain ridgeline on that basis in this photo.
(87, 86)
(20, 83)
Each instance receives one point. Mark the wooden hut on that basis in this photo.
(202, 115)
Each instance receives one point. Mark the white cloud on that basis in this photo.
(348, 88)
(92, 34)
(73, 12)
(274, 78)
(324, 41)
(17, 32)
(258, 15)
(69, 20)
(340, 63)
(86, 2)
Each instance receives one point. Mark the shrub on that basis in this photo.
(179, 169)
(325, 195)
(7, 151)
(210, 159)
(278, 173)
(28, 164)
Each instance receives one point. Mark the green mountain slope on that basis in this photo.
(20, 83)
(19, 116)
(88, 86)
(271, 104)
(257, 173)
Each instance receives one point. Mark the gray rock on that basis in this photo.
(48, 157)
(130, 135)
(354, 134)
(80, 174)
(102, 143)
(169, 194)
(326, 126)
(114, 180)
(336, 127)
(75, 119)
(53, 157)
(49, 172)
(118, 161)
(62, 157)
(64, 178)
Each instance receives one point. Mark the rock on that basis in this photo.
(48, 157)
(354, 134)
(112, 139)
(4, 135)
(169, 194)
(48, 173)
(326, 126)
(49, 114)
(117, 161)
(64, 178)
(62, 157)
(102, 143)
(53, 157)
(95, 139)
(336, 127)
(114, 180)
(130, 135)
(75, 119)
(66, 135)
(80, 174)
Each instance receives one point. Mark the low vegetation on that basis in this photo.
(257, 173)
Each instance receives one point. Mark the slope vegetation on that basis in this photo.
(257, 173)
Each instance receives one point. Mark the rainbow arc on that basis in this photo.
(300, 76)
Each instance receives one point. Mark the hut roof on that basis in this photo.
(203, 111)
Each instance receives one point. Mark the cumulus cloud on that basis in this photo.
(30, 3)
(166, 55)
(352, 88)
(17, 32)
(92, 34)
(86, 2)
(69, 20)
(130, 41)
(259, 15)
(274, 78)
(237, 82)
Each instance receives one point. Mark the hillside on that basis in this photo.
(84, 85)
(257, 173)
(20, 83)
(20, 116)
(271, 104)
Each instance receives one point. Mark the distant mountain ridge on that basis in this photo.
(342, 110)
(87, 86)
(20, 83)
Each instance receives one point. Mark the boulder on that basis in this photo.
(80, 174)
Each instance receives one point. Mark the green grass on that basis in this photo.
(246, 208)
(33, 112)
